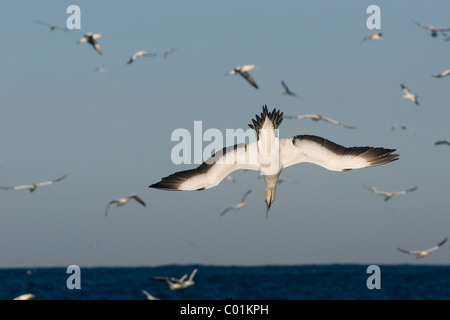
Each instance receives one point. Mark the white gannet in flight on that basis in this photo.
(26, 296)
(442, 74)
(237, 206)
(446, 141)
(167, 52)
(319, 116)
(149, 296)
(181, 283)
(91, 38)
(409, 95)
(387, 195)
(121, 201)
(434, 30)
(375, 36)
(286, 152)
(52, 26)
(286, 90)
(141, 53)
(33, 186)
(423, 253)
(243, 71)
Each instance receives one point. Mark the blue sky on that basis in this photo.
(111, 133)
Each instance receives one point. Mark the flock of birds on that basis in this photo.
(295, 150)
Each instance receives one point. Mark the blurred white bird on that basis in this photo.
(167, 52)
(387, 195)
(375, 36)
(237, 206)
(32, 187)
(423, 253)
(442, 74)
(181, 283)
(26, 296)
(434, 30)
(286, 90)
(91, 38)
(409, 95)
(149, 296)
(319, 116)
(121, 201)
(141, 53)
(446, 141)
(243, 71)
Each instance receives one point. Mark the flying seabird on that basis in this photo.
(409, 95)
(26, 296)
(149, 296)
(91, 38)
(375, 36)
(167, 52)
(122, 201)
(434, 30)
(289, 151)
(181, 283)
(52, 26)
(237, 206)
(141, 53)
(319, 116)
(243, 71)
(286, 90)
(442, 74)
(398, 125)
(446, 141)
(387, 195)
(423, 253)
(33, 186)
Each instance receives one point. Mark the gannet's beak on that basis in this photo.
(267, 209)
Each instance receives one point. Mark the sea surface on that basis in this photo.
(302, 282)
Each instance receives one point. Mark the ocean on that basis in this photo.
(302, 282)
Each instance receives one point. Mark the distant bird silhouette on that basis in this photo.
(243, 71)
(237, 206)
(141, 53)
(26, 296)
(149, 296)
(423, 253)
(398, 125)
(52, 26)
(375, 36)
(286, 90)
(101, 70)
(181, 283)
(442, 74)
(388, 195)
(319, 116)
(167, 52)
(409, 95)
(121, 201)
(91, 38)
(442, 142)
(434, 30)
(32, 187)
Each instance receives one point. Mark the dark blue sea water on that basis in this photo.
(303, 282)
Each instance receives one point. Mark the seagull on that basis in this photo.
(91, 38)
(409, 95)
(442, 74)
(375, 36)
(388, 195)
(181, 283)
(446, 141)
(319, 116)
(286, 90)
(149, 296)
(434, 30)
(122, 201)
(167, 52)
(141, 53)
(254, 156)
(237, 206)
(26, 296)
(52, 26)
(243, 71)
(32, 187)
(423, 253)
